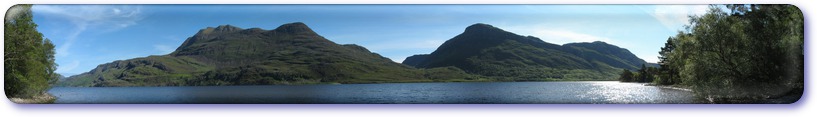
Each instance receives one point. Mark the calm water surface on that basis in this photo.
(480, 92)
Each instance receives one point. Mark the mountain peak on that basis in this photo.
(481, 25)
(594, 42)
(481, 28)
(295, 27)
(227, 28)
(219, 29)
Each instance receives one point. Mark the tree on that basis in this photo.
(747, 52)
(667, 74)
(626, 76)
(28, 58)
(644, 74)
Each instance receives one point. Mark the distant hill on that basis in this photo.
(415, 59)
(486, 50)
(289, 54)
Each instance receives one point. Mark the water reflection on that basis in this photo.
(627, 93)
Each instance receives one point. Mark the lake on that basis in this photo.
(582, 92)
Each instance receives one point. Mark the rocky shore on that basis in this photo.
(44, 98)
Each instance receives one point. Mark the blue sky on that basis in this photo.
(89, 35)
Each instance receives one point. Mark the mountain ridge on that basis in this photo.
(487, 50)
(294, 54)
(229, 55)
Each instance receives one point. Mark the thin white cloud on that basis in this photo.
(62, 51)
(674, 17)
(84, 17)
(94, 15)
(565, 36)
(164, 49)
(68, 67)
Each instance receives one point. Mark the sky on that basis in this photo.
(90, 35)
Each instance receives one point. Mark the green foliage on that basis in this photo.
(626, 76)
(644, 75)
(647, 74)
(28, 58)
(668, 73)
(750, 52)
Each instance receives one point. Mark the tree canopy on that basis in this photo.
(28, 58)
(745, 52)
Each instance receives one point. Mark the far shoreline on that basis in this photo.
(335, 83)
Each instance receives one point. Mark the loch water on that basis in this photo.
(578, 92)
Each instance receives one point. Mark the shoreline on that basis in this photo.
(336, 83)
(44, 98)
(675, 87)
(786, 98)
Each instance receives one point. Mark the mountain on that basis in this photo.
(415, 59)
(487, 50)
(290, 54)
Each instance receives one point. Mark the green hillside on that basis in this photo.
(289, 54)
(486, 50)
